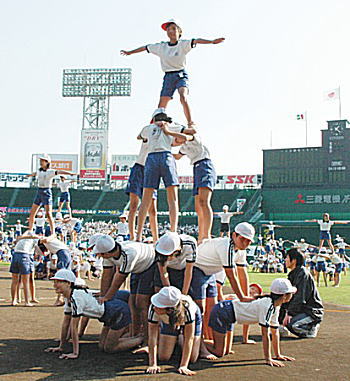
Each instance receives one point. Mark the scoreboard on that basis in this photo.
(328, 165)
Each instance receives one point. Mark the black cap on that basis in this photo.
(162, 117)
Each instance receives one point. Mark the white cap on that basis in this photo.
(302, 240)
(66, 275)
(104, 244)
(171, 21)
(58, 215)
(93, 239)
(246, 230)
(157, 111)
(282, 286)
(18, 220)
(54, 256)
(168, 243)
(46, 157)
(80, 282)
(76, 258)
(323, 250)
(148, 240)
(167, 297)
(66, 216)
(225, 207)
(123, 216)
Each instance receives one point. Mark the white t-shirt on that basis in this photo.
(156, 138)
(26, 246)
(55, 245)
(82, 303)
(240, 258)
(172, 57)
(214, 254)
(271, 227)
(64, 186)
(40, 221)
(188, 253)
(141, 159)
(123, 228)
(18, 227)
(341, 245)
(260, 311)
(325, 226)
(225, 217)
(190, 312)
(45, 178)
(195, 150)
(135, 257)
(336, 259)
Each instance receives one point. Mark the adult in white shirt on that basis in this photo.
(172, 56)
(65, 194)
(134, 190)
(225, 217)
(121, 259)
(160, 164)
(115, 315)
(43, 197)
(325, 229)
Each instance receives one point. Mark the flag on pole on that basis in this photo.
(300, 116)
(332, 95)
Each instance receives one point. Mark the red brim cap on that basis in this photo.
(257, 286)
(165, 25)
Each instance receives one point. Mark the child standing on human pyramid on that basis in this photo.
(172, 56)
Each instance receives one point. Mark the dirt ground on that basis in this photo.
(26, 332)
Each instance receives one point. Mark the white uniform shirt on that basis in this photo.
(123, 228)
(240, 258)
(260, 311)
(45, 178)
(26, 246)
(64, 186)
(188, 253)
(325, 226)
(71, 223)
(40, 221)
(225, 217)
(82, 303)
(18, 227)
(135, 257)
(172, 57)
(156, 138)
(190, 312)
(195, 150)
(336, 259)
(55, 245)
(271, 227)
(214, 254)
(141, 159)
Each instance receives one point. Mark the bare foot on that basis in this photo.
(36, 301)
(14, 303)
(231, 352)
(249, 342)
(58, 303)
(208, 356)
(143, 349)
(28, 304)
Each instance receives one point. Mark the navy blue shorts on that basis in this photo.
(341, 251)
(65, 197)
(135, 182)
(312, 265)
(18, 233)
(160, 165)
(39, 230)
(222, 317)
(173, 81)
(143, 283)
(225, 227)
(202, 286)
(43, 197)
(63, 259)
(117, 314)
(204, 175)
(325, 234)
(22, 263)
(176, 278)
(78, 227)
(321, 266)
(338, 268)
(166, 329)
(58, 230)
(122, 295)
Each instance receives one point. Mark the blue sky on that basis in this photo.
(277, 61)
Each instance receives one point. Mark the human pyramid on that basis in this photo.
(174, 283)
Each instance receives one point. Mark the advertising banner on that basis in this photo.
(121, 165)
(93, 154)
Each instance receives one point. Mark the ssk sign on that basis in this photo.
(242, 179)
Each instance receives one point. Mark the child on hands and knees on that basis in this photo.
(264, 310)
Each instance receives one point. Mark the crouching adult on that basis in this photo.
(303, 314)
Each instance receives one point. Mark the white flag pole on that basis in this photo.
(306, 128)
(339, 103)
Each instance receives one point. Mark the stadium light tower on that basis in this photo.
(96, 86)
